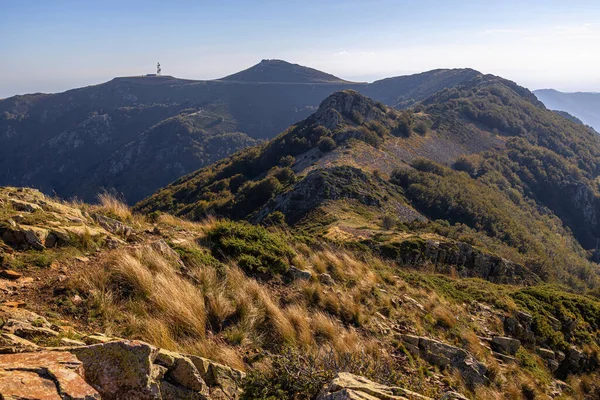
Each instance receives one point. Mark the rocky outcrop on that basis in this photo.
(459, 257)
(347, 104)
(346, 386)
(519, 326)
(110, 369)
(552, 359)
(120, 369)
(505, 345)
(299, 274)
(447, 356)
(113, 226)
(44, 375)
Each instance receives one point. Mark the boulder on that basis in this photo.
(27, 330)
(546, 354)
(23, 315)
(184, 373)
(43, 375)
(447, 356)
(113, 226)
(505, 345)
(20, 205)
(518, 326)
(120, 369)
(97, 339)
(25, 236)
(10, 343)
(10, 274)
(298, 274)
(346, 386)
(58, 237)
(326, 279)
(218, 376)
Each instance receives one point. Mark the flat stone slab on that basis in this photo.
(43, 375)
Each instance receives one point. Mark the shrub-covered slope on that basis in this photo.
(521, 183)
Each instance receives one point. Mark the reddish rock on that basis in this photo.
(10, 274)
(14, 304)
(120, 369)
(26, 385)
(40, 375)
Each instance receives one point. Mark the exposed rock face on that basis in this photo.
(346, 103)
(120, 369)
(46, 223)
(298, 274)
(20, 205)
(446, 356)
(347, 386)
(466, 260)
(519, 327)
(505, 345)
(111, 368)
(43, 375)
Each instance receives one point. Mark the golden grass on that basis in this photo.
(199, 227)
(223, 314)
(111, 205)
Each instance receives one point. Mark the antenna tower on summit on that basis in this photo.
(158, 70)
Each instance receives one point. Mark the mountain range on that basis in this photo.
(134, 135)
(583, 105)
(432, 236)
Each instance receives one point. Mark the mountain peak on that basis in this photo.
(348, 104)
(280, 71)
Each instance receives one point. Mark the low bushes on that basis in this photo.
(254, 248)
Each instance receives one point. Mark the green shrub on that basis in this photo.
(379, 128)
(276, 218)
(284, 175)
(254, 194)
(326, 144)
(254, 248)
(287, 161)
(404, 126)
(421, 127)
(356, 117)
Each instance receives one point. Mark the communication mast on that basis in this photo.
(158, 70)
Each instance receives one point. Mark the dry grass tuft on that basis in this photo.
(109, 204)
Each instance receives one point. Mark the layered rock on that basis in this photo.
(44, 375)
(447, 356)
(459, 257)
(109, 369)
(346, 386)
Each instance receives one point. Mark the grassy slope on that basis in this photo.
(232, 300)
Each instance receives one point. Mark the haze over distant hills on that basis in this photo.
(583, 105)
(137, 134)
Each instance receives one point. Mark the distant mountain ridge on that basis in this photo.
(583, 105)
(279, 71)
(109, 136)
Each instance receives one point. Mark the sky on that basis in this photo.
(51, 46)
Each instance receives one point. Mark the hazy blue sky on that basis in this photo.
(54, 45)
